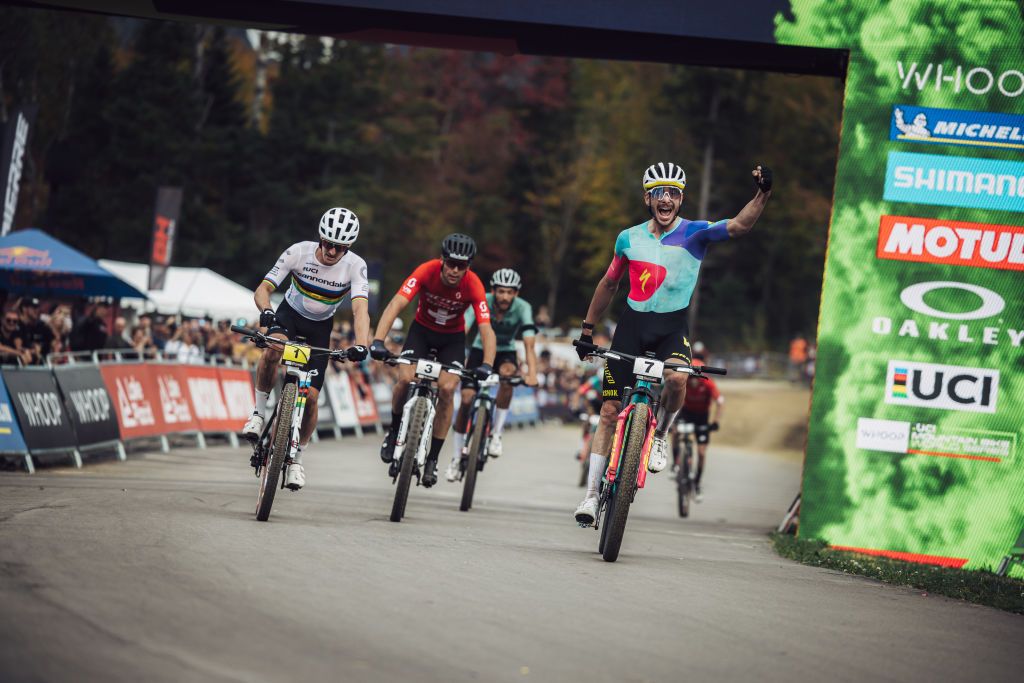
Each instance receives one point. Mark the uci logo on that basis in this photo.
(948, 387)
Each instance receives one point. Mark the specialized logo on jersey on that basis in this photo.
(645, 278)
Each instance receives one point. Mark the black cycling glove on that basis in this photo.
(483, 371)
(378, 351)
(586, 338)
(713, 426)
(764, 183)
(268, 319)
(356, 353)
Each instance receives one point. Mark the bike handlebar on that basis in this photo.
(610, 354)
(263, 340)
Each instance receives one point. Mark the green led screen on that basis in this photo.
(915, 446)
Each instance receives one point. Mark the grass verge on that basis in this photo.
(980, 587)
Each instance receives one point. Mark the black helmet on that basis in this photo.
(458, 247)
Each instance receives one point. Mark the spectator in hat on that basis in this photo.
(90, 334)
(37, 335)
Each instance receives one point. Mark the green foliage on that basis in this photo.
(980, 587)
(538, 158)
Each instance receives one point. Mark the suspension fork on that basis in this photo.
(303, 382)
(620, 436)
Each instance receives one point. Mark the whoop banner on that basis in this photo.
(915, 438)
(165, 223)
(41, 414)
(88, 403)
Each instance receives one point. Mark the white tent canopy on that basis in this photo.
(194, 292)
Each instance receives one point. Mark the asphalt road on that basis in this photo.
(155, 570)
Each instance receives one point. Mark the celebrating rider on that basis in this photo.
(663, 257)
(701, 395)
(446, 288)
(322, 273)
(511, 317)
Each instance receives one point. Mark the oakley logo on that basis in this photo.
(991, 303)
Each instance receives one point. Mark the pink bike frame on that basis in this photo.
(620, 434)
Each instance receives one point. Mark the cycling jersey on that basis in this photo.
(699, 395)
(317, 290)
(441, 307)
(663, 272)
(518, 319)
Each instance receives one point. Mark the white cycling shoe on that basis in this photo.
(494, 448)
(659, 454)
(586, 513)
(452, 473)
(253, 426)
(295, 477)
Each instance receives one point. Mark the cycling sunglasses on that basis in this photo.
(456, 265)
(329, 246)
(659, 192)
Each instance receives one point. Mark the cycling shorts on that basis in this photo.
(315, 333)
(476, 357)
(701, 431)
(664, 334)
(421, 340)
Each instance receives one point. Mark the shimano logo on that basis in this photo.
(957, 78)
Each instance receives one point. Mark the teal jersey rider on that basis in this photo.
(517, 321)
(663, 272)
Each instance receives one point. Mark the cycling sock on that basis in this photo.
(435, 448)
(500, 415)
(598, 464)
(396, 419)
(459, 441)
(261, 402)
(298, 454)
(665, 420)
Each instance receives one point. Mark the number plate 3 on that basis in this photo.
(428, 369)
(648, 368)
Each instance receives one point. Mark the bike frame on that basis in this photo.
(642, 393)
(420, 390)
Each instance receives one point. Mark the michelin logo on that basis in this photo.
(956, 127)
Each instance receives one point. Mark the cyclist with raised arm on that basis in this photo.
(446, 288)
(511, 317)
(322, 273)
(702, 398)
(662, 257)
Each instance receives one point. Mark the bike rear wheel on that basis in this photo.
(476, 444)
(625, 481)
(683, 484)
(417, 424)
(278, 452)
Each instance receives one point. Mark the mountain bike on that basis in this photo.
(474, 454)
(631, 445)
(683, 454)
(417, 425)
(276, 446)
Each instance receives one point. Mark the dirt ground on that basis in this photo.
(767, 415)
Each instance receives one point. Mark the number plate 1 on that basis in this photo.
(295, 353)
(648, 367)
(428, 369)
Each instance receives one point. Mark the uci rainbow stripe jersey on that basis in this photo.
(663, 272)
(317, 289)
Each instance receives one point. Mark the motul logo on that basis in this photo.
(949, 387)
(926, 240)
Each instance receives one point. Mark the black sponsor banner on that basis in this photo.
(88, 403)
(165, 223)
(12, 159)
(41, 413)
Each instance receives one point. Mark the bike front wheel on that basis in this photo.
(417, 425)
(683, 484)
(625, 482)
(278, 451)
(476, 445)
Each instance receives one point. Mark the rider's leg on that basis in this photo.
(672, 396)
(446, 385)
(503, 399)
(406, 373)
(266, 373)
(702, 451)
(601, 445)
(308, 421)
(459, 431)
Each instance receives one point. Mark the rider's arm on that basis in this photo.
(483, 317)
(717, 401)
(361, 320)
(262, 295)
(748, 215)
(489, 341)
(286, 262)
(387, 318)
(530, 343)
(606, 288)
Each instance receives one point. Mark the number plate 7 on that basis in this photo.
(428, 369)
(648, 367)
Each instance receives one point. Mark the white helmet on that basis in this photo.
(662, 174)
(506, 277)
(339, 225)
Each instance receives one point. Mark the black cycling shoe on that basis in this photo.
(429, 477)
(387, 449)
(393, 469)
